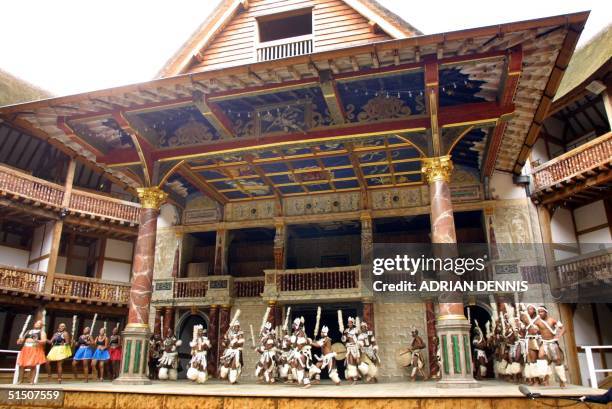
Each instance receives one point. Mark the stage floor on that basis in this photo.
(487, 389)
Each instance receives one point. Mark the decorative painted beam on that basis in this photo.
(332, 98)
(432, 81)
(143, 148)
(511, 75)
(201, 184)
(95, 148)
(213, 116)
(484, 112)
(263, 176)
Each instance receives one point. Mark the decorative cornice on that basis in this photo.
(151, 197)
(437, 169)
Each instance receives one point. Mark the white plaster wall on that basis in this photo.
(116, 271)
(10, 256)
(538, 152)
(118, 249)
(562, 229)
(61, 265)
(502, 187)
(584, 330)
(591, 215)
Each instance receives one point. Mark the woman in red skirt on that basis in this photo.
(115, 352)
(32, 353)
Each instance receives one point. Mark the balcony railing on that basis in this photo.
(577, 163)
(248, 287)
(105, 207)
(585, 269)
(284, 48)
(190, 287)
(22, 280)
(314, 279)
(91, 289)
(39, 192)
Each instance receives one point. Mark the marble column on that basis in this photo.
(136, 335)
(224, 321)
(280, 244)
(157, 326)
(272, 316)
(213, 336)
(168, 320)
(368, 314)
(452, 326)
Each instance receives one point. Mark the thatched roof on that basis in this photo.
(586, 61)
(14, 90)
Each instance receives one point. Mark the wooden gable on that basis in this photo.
(335, 24)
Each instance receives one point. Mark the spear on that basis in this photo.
(316, 330)
(74, 322)
(340, 322)
(287, 315)
(252, 335)
(265, 318)
(93, 324)
(25, 326)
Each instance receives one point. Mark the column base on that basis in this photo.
(458, 383)
(454, 334)
(135, 349)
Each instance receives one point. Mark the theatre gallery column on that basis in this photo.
(452, 326)
(137, 332)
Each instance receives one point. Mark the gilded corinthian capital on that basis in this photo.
(437, 168)
(151, 197)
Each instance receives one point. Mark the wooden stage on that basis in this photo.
(218, 395)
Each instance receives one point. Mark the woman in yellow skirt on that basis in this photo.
(60, 349)
(32, 353)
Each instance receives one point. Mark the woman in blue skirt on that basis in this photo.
(101, 354)
(84, 352)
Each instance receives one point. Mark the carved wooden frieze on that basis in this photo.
(397, 198)
(320, 204)
(255, 210)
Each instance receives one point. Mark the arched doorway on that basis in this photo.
(481, 314)
(185, 334)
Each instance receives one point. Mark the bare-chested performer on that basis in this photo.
(551, 331)
(529, 318)
(327, 360)
(480, 352)
(416, 360)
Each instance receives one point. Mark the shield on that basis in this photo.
(403, 357)
(340, 350)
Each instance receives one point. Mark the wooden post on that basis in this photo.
(221, 250)
(58, 226)
(102, 250)
(567, 318)
(280, 245)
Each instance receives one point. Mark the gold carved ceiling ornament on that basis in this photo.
(192, 132)
(151, 197)
(381, 107)
(437, 169)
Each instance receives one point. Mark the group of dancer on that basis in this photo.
(523, 343)
(92, 352)
(285, 354)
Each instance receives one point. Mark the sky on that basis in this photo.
(72, 46)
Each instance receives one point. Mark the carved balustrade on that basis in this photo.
(22, 280)
(248, 287)
(577, 163)
(591, 268)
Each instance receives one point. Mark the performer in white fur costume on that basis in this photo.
(350, 339)
(368, 361)
(300, 359)
(480, 352)
(327, 360)
(168, 363)
(198, 369)
(231, 360)
(533, 339)
(266, 366)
